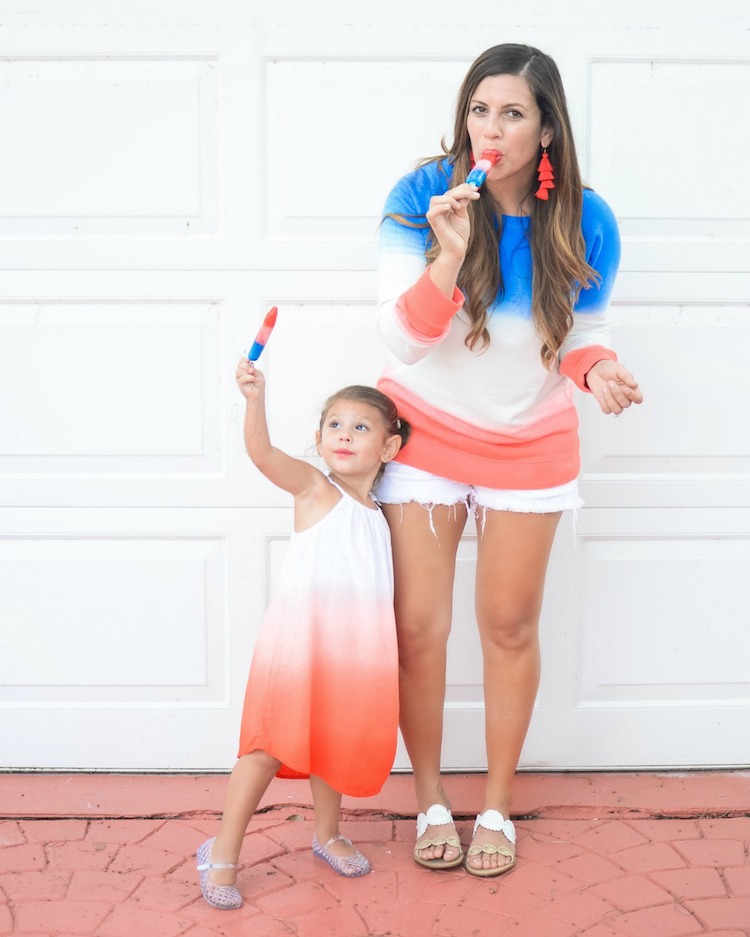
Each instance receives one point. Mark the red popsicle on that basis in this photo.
(262, 337)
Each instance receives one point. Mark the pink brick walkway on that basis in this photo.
(599, 855)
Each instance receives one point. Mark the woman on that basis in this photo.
(493, 304)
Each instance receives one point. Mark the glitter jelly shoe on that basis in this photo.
(350, 866)
(225, 897)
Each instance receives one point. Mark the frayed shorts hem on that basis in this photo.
(402, 484)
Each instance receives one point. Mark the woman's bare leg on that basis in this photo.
(424, 564)
(247, 784)
(513, 554)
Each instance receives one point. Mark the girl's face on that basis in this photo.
(503, 115)
(353, 441)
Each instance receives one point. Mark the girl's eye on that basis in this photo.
(362, 426)
(334, 424)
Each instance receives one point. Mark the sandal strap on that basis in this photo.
(336, 839)
(436, 815)
(491, 850)
(495, 821)
(453, 841)
(210, 866)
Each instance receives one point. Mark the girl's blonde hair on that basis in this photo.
(559, 264)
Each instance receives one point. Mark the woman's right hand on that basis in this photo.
(448, 216)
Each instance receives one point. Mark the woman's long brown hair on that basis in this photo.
(558, 256)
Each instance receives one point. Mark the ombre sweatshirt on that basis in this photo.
(492, 416)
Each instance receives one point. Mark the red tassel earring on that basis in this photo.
(546, 175)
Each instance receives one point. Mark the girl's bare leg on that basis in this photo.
(512, 562)
(248, 782)
(424, 565)
(327, 804)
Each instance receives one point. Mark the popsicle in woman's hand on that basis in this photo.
(262, 337)
(482, 166)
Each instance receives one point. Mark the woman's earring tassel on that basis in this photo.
(546, 175)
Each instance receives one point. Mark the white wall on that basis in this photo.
(166, 175)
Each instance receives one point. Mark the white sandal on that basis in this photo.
(495, 821)
(437, 815)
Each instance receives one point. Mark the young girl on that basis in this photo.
(322, 696)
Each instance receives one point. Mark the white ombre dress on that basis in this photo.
(322, 695)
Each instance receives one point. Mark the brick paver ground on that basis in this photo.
(615, 873)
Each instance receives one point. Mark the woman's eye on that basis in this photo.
(479, 109)
(514, 114)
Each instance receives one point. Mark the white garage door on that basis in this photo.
(164, 179)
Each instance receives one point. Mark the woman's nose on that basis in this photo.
(495, 127)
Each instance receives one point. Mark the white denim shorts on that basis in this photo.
(401, 484)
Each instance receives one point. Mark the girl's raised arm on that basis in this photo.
(293, 475)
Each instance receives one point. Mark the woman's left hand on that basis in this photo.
(614, 386)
